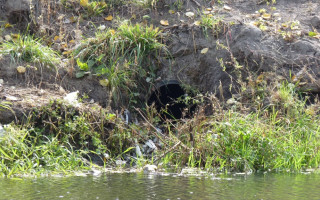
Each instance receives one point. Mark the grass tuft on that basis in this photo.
(26, 48)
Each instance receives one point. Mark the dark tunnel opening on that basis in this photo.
(167, 100)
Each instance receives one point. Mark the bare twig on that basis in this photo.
(168, 151)
(156, 130)
(198, 4)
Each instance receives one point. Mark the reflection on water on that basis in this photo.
(142, 186)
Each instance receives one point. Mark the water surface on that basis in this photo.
(143, 186)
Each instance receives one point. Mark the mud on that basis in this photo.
(249, 50)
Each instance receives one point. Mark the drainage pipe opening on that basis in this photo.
(167, 99)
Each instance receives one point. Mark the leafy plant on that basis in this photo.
(122, 56)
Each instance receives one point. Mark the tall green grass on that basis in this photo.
(28, 49)
(283, 136)
(122, 57)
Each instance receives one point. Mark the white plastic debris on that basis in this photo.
(138, 151)
(151, 145)
(72, 98)
(2, 131)
(149, 168)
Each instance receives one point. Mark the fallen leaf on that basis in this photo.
(84, 3)
(228, 8)
(66, 52)
(276, 14)
(8, 38)
(266, 16)
(164, 22)
(72, 41)
(205, 50)
(21, 69)
(189, 14)
(101, 27)
(104, 82)
(171, 11)
(112, 31)
(11, 98)
(197, 23)
(206, 12)
(208, 9)
(56, 38)
(73, 19)
(134, 16)
(109, 18)
(15, 36)
(8, 25)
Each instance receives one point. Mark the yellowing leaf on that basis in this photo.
(164, 22)
(266, 16)
(112, 31)
(171, 11)
(56, 38)
(64, 45)
(104, 82)
(8, 25)
(84, 3)
(109, 18)
(66, 52)
(15, 36)
(72, 41)
(73, 19)
(197, 23)
(205, 50)
(208, 9)
(21, 69)
(134, 16)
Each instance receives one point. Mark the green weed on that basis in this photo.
(26, 48)
(213, 23)
(121, 57)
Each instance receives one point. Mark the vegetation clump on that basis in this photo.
(122, 57)
(26, 48)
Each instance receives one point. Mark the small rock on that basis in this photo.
(190, 14)
(315, 22)
(120, 162)
(149, 168)
(8, 38)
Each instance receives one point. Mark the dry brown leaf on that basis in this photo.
(109, 18)
(164, 22)
(266, 16)
(8, 25)
(21, 69)
(84, 3)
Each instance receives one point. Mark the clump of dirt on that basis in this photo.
(253, 37)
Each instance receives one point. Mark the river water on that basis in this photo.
(144, 186)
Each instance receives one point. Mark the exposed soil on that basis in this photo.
(267, 46)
